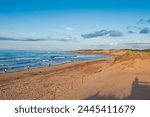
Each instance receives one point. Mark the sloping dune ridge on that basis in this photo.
(126, 75)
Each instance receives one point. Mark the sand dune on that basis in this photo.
(112, 78)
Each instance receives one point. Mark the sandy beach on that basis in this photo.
(126, 75)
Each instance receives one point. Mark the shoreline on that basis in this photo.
(29, 67)
(54, 67)
(24, 78)
(107, 78)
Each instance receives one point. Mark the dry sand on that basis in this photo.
(111, 78)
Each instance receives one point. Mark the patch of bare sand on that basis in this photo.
(116, 82)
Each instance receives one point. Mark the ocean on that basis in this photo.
(16, 60)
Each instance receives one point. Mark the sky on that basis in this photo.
(74, 24)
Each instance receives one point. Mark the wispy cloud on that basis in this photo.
(24, 39)
(68, 28)
(121, 46)
(133, 29)
(144, 21)
(145, 31)
(95, 34)
(111, 33)
(115, 33)
(141, 28)
(136, 44)
(34, 39)
(131, 32)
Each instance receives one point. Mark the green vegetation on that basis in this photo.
(132, 54)
(146, 50)
(92, 50)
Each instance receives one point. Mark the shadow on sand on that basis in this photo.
(140, 91)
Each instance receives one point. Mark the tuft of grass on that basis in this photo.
(121, 57)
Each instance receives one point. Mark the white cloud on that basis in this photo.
(68, 28)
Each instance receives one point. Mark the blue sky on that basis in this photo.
(74, 24)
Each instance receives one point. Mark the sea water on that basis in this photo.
(16, 60)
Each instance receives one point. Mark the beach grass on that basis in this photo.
(131, 54)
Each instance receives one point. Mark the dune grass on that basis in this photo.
(133, 54)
